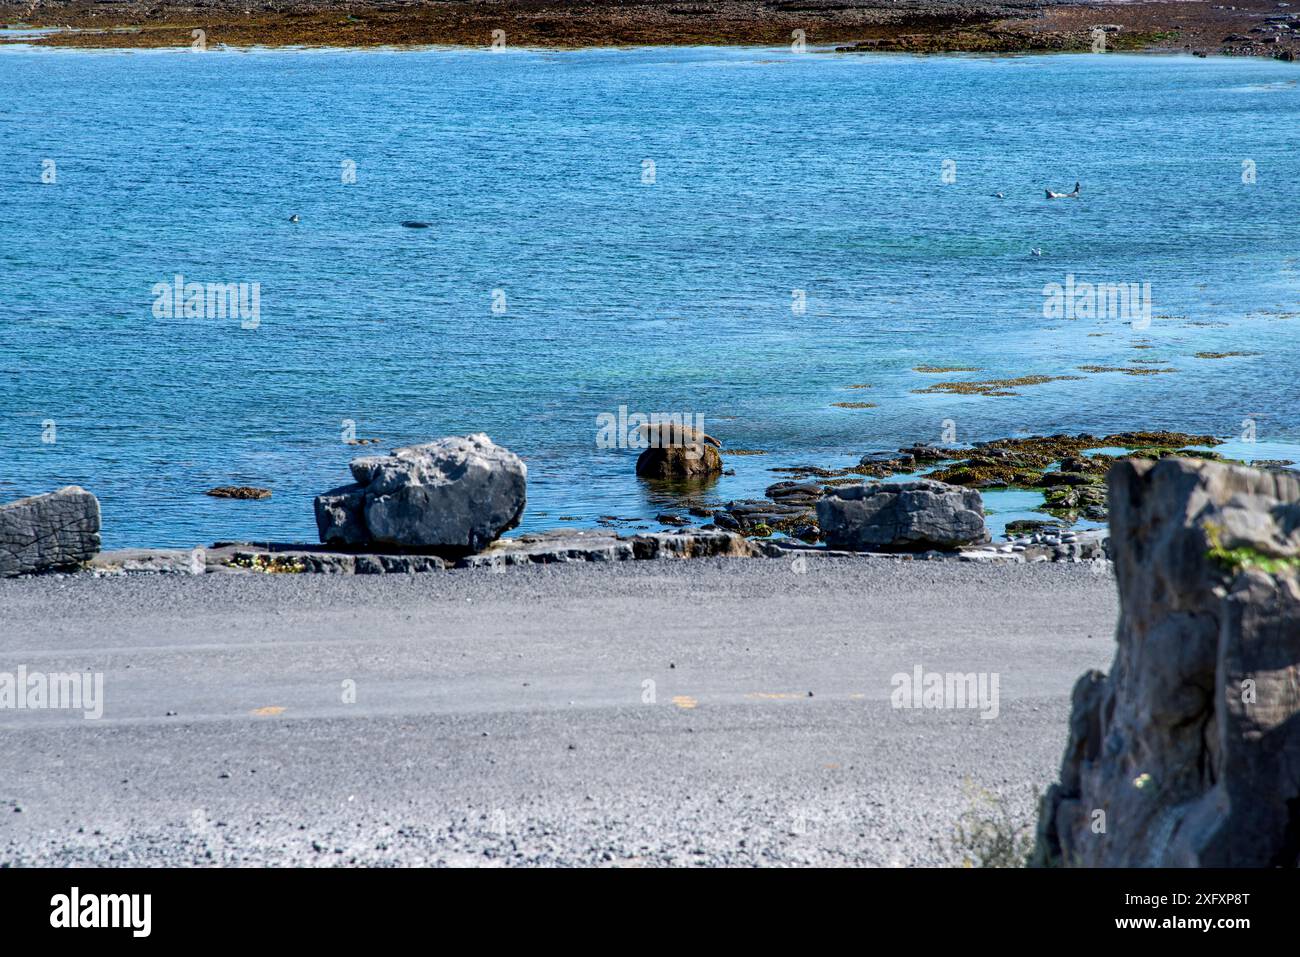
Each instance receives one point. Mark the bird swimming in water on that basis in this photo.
(293, 218)
(998, 195)
(1035, 252)
(1072, 195)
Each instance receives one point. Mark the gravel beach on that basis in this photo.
(710, 711)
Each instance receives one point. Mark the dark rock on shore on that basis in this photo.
(905, 516)
(1188, 753)
(48, 532)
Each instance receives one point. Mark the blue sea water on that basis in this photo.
(773, 172)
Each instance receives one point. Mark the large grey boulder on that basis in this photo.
(907, 516)
(340, 516)
(1188, 752)
(58, 530)
(456, 495)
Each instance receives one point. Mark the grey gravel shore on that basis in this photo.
(509, 718)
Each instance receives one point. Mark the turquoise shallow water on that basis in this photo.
(773, 172)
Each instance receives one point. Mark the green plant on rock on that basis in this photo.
(269, 565)
(1233, 560)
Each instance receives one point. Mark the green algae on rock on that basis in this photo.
(993, 386)
(1233, 560)
(1127, 370)
(239, 492)
(1072, 501)
(1071, 481)
(1057, 465)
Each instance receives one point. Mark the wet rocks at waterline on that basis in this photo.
(790, 507)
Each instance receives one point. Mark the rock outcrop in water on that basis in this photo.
(455, 495)
(678, 452)
(908, 516)
(46, 532)
(239, 491)
(1188, 752)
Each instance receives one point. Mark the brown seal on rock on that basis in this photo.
(678, 451)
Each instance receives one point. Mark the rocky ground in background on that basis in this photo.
(1251, 28)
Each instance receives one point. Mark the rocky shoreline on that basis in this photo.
(447, 505)
(561, 547)
(1183, 755)
(1254, 28)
